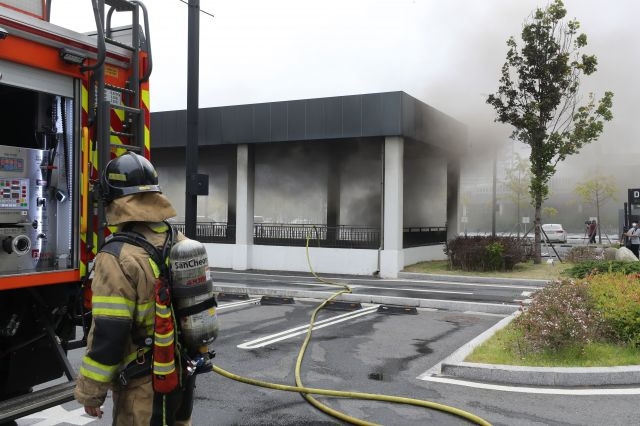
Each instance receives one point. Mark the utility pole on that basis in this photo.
(191, 150)
(493, 191)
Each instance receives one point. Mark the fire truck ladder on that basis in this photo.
(103, 98)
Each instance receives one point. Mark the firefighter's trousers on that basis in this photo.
(134, 406)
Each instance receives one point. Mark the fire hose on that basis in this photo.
(306, 392)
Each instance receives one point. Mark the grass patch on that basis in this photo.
(505, 347)
(542, 271)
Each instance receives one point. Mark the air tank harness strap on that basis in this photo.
(197, 308)
(165, 374)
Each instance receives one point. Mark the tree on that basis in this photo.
(516, 183)
(549, 212)
(539, 96)
(596, 192)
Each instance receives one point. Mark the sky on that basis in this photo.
(445, 53)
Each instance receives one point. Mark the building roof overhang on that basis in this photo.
(373, 115)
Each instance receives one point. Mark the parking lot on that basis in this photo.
(359, 350)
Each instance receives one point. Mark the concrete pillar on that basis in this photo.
(245, 183)
(392, 256)
(333, 193)
(232, 181)
(453, 194)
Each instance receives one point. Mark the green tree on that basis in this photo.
(516, 184)
(596, 192)
(538, 95)
(549, 212)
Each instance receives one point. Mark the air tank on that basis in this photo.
(193, 298)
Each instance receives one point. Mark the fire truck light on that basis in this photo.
(72, 57)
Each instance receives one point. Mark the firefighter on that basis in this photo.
(120, 340)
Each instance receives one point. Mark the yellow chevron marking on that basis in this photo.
(145, 98)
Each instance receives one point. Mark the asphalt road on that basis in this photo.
(365, 351)
(421, 289)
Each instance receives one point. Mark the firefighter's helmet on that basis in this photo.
(127, 175)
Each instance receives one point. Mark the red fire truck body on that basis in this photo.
(70, 103)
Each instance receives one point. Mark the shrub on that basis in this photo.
(594, 267)
(582, 253)
(617, 298)
(479, 253)
(493, 256)
(560, 315)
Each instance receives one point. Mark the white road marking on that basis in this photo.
(296, 331)
(417, 289)
(524, 389)
(353, 286)
(234, 304)
(58, 415)
(403, 280)
(301, 327)
(313, 284)
(271, 282)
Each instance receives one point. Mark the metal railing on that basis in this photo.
(423, 236)
(212, 232)
(343, 236)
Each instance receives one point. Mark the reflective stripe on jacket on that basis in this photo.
(123, 313)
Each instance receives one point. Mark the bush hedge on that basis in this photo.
(602, 308)
(560, 315)
(594, 267)
(617, 298)
(480, 253)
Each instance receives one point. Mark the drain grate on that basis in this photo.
(276, 300)
(232, 296)
(343, 306)
(397, 310)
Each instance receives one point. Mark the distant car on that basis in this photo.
(555, 232)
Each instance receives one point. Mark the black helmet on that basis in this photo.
(126, 175)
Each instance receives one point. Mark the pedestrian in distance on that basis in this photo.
(593, 229)
(633, 235)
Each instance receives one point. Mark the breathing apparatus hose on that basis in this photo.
(307, 392)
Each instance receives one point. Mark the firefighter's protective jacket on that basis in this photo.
(123, 297)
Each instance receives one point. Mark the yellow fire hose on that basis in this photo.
(307, 392)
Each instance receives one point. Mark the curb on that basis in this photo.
(451, 305)
(544, 376)
(471, 279)
(455, 366)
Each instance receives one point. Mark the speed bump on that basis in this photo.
(276, 300)
(232, 296)
(397, 310)
(343, 306)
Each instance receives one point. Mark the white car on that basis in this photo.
(555, 233)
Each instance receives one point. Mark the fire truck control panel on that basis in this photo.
(36, 216)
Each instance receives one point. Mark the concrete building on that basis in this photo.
(372, 180)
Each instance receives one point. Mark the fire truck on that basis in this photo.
(69, 103)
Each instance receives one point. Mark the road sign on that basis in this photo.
(525, 219)
(634, 196)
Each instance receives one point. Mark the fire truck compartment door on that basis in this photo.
(35, 79)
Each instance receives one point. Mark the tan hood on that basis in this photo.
(144, 207)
